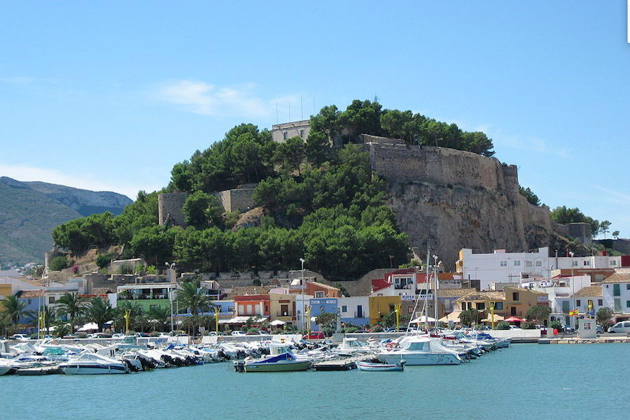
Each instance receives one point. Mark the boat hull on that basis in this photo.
(380, 367)
(293, 366)
(93, 369)
(421, 359)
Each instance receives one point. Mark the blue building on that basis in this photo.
(320, 306)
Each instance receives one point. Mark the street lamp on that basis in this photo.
(170, 269)
(302, 260)
(573, 289)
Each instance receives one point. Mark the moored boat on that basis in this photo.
(93, 364)
(381, 367)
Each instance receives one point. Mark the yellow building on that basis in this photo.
(481, 301)
(381, 306)
(518, 301)
(282, 307)
(5, 292)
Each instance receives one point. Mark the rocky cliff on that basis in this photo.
(458, 200)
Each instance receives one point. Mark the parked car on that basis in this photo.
(19, 337)
(599, 329)
(118, 335)
(314, 335)
(261, 332)
(238, 333)
(620, 327)
(141, 334)
(568, 329)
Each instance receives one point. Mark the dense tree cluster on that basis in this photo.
(366, 117)
(564, 215)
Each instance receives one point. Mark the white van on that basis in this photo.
(620, 327)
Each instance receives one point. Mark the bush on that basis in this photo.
(58, 263)
(528, 325)
(503, 326)
(125, 269)
(377, 328)
(103, 260)
(556, 325)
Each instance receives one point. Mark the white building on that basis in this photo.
(503, 267)
(282, 132)
(354, 310)
(560, 291)
(616, 292)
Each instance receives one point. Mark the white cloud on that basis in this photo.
(26, 173)
(206, 99)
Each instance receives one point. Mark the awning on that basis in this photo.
(89, 327)
(244, 319)
(422, 319)
(514, 319)
(452, 317)
(277, 322)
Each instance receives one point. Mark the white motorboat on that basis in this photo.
(353, 346)
(93, 364)
(419, 351)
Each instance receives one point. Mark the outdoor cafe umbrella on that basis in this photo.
(514, 319)
(277, 322)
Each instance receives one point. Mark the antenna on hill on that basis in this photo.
(277, 119)
(289, 110)
(314, 106)
(375, 97)
(301, 109)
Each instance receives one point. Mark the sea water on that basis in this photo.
(526, 381)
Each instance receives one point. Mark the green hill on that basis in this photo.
(30, 210)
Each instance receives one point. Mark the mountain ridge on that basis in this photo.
(30, 210)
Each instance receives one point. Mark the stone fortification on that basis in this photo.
(170, 207)
(458, 200)
(238, 199)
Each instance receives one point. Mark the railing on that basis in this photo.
(283, 313)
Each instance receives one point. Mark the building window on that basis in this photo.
(51, 299)
(410, 310)
(616, 289)
(627, 303)
(587, 263)
(575, 263)
(285, 135)
(613, 262)
(528, 263)
(517, 263)
(301, 134)
(617, 305)
(498, 306)
(481, 306)
(319, 295)
(503, 263)
(515, 296)
(513, 311)
(578, 302)
(344, 308)
(538, 263)
(600, 302)
(628, 286)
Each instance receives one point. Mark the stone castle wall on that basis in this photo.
(455, 199)
(240, 199)
(170, 207)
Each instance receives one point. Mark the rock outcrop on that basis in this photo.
(457, 199)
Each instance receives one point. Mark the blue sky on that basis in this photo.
(110, 95)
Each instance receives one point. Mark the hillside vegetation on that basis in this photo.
(321, 202)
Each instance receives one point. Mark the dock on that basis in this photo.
(577, 340)
(346, 363)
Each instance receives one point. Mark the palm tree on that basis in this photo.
(14, 308)
(160, 315)
(99, 311)
(50, 314)
(192, 297)
(72, 305)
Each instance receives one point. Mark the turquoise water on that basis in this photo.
(523, 382)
